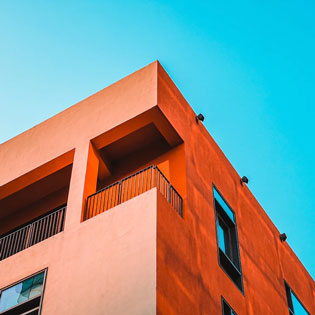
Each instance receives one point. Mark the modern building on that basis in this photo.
(124, 204)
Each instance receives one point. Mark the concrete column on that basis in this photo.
(83, 182)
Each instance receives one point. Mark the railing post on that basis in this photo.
(119, 192)
(169, 193)
(29, 236)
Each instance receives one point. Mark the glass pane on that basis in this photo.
(10, 296)
(38, 279)
(223, 204)
(21, 292)
(297, 306)
(36, 290)
(224, 239)
(221, 238)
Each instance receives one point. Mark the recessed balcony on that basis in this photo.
(32, 206)
(32, 233)
(130, 187)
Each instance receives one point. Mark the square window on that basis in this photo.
(229, 257)
(23, 297)
(294, 304)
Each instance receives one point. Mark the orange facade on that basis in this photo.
(113, 198)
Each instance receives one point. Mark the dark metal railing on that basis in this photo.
(32, 233)
(130, 187)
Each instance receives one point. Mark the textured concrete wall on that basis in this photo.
(190, 280)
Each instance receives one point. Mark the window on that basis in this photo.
(295, 306)
(23, 297)
(229, 258)
(226, 308)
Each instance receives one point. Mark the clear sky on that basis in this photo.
(248, 66)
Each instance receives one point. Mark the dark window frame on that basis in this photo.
(289, 293)
(225, 304)
(10, 310)
(230, 265)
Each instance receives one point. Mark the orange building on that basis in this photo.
(124, 204)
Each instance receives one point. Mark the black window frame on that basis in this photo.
(30, 304)
(226, 307)
(289, 293)
(231, 264)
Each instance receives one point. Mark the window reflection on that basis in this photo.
(21, 292)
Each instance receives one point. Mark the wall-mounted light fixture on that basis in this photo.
(200, 117)
(283, 237)
(244, 179)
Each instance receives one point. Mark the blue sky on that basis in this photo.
(248, 66)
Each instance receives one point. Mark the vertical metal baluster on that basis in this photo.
(150, 177)
(55, 223)
(117, 194)
(41, 223)
(5, 252)
(120, 191)
(22, 245)
(5, 247)
(92, 206)
(44, 222)
(169, 193)
(36, 232)
(98, 199)
(134, 186)
(59, 222)
(108, 198)
(111, 196)
(14, 239)
(29, 236)
(128, 189)
(133, 180)
(13, 244)
(20, 240)
(49, 225)
(100, 203)
(87, 208)
(9, 245)
(105, 200)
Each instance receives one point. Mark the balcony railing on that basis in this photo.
(32, 233)
(130, 187)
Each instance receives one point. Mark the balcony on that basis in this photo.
(130, 187)
(32, 233)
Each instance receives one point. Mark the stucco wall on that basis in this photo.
(107, 265)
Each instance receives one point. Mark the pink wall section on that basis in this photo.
(107, 265)
(78, 124)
